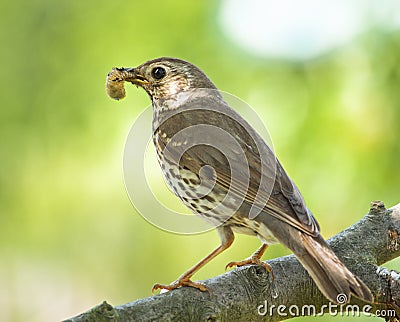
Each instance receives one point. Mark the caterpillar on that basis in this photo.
(115, 83)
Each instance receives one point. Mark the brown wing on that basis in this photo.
(258, 176)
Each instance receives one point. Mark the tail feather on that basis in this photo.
(332, 277)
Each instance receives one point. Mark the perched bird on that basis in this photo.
(223, 170)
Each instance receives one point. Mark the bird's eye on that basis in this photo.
(158, 72)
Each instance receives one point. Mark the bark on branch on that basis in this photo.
(246, 293)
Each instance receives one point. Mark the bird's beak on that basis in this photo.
(133, 76)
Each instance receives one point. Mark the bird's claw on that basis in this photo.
(251, 261)
(179, 283)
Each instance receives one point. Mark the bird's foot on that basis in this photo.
(179, 283)
(250, 261)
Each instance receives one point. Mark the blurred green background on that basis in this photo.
(69, 237)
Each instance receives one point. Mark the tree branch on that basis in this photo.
(250, 294)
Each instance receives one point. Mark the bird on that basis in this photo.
(224, 172)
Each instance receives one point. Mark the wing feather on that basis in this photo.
(277, 195)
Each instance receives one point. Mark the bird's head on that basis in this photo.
(164, 77)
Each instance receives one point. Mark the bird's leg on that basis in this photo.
(255, 258)
(227, 237)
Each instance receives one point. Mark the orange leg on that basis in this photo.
(227, 237)
(255, 258)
